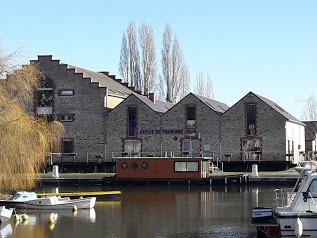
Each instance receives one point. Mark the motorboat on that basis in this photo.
(18, 198)
(5, 214)
(295, 210)
(29, 200)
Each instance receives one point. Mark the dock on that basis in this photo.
(225, 178)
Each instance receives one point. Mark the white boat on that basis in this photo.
(295, 211)
(5, 214)
(29, 200)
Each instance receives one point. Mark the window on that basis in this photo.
(313, 188)
(66, 117)
(251, 148)
(66, 92)
(192, 146)
(132, 121)
(45, 98)
(132, 147)
(191, 120)
(186, 166)
(67, 145)
(250, 110)
(124, 165)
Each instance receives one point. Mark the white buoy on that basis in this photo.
(75, 208)
(298, 229)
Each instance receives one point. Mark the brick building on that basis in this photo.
(105, 119)
(79, 99)
(255, 129)
(311, 139)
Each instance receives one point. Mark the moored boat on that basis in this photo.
(295, 211)
(5, 214)
(29, 200)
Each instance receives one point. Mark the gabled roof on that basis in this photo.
(216, 106)
(114, 87)
(105, 80)
(310, 130)
(279, 109)
(159, 106)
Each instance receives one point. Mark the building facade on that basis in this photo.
(311, 139)
(79, 99)
(105, 119)
(255, 129)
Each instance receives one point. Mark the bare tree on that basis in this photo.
(148, 58)
(185, 80)
(204, 85)
(124, 69)
(166, 62)
(173, 66)
(135, 74)
(174, 80)
(309, 112)
(200, 84)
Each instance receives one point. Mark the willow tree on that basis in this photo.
(24, 139)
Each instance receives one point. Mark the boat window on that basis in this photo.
(182, 166)
(313, 187)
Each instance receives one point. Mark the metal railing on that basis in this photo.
(172, 153)
(283, 197)
(89, 157)
(216, 165)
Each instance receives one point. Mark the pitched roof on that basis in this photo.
(159, 106)
(114, 87)
(279, 109)
(216, 106)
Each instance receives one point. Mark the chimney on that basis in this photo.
(152, 97)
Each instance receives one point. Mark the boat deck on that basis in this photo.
(271, 223)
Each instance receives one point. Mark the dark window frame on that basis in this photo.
(47, 89)
(61, 117)
(132, 120)
(251, 115)
(186, 171)
(70, 148)
(190, 114)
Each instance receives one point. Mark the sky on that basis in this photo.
(268, 47)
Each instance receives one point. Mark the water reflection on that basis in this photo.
(154, 212)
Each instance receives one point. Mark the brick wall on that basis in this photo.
(270, 127)
(87, 104)
(116, 127)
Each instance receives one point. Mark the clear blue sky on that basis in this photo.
(268, 47)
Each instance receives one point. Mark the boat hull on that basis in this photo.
(287, 223)
(61, 204)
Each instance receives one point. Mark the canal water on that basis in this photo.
(151, 212)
